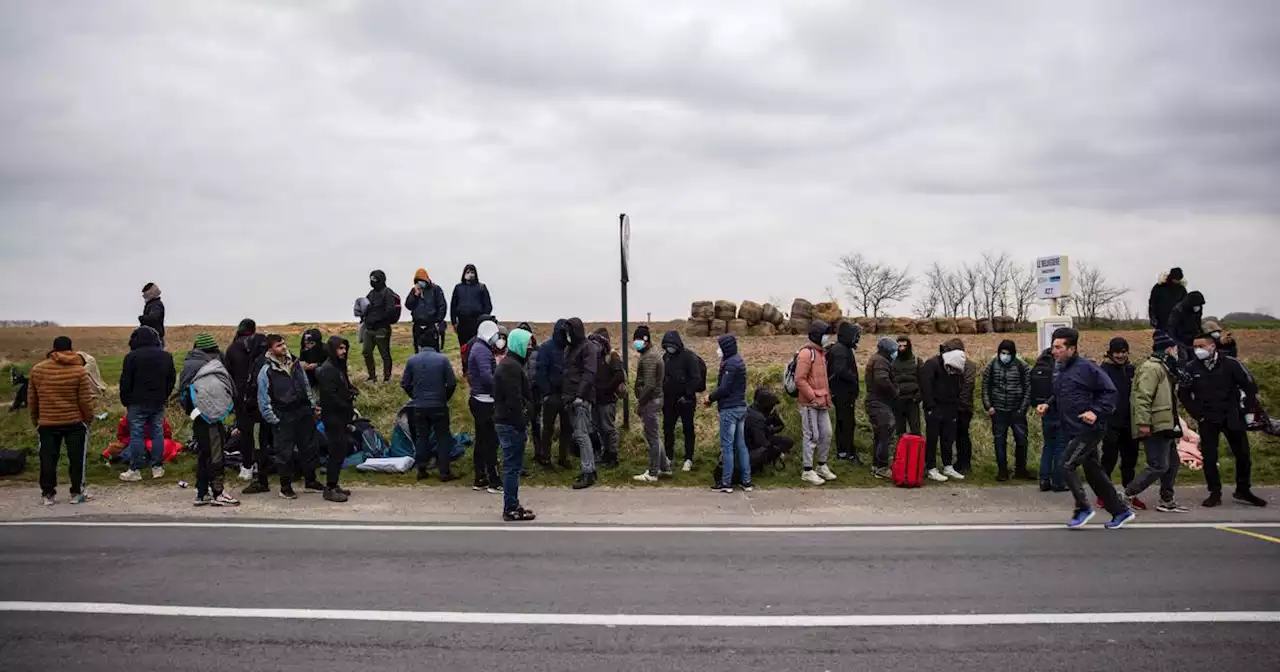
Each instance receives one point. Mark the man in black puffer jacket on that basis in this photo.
(842, 373)
(681, 383)
(906, 374)
(1006, 396)
(1217, 385)
(378, 319)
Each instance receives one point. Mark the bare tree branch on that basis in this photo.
(1094, 294)
(1023, 291)
(872, 286)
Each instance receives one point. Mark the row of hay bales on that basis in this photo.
(713, 318)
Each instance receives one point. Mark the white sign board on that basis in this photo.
(1053, 277)
(1045, 327)
(626, 239)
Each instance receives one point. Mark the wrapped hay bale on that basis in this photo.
(801, 309)
(762, 329)
(751, 311)
(829, 312)
(702, 310)
(726, 310)
(945, 325)
(901, 325)
(799, 325)
(718, 327)
(925, 327)
(771, 314)
(1005, 324)
(697, 328)
(737, 327)
(966, 325)
(985, 326)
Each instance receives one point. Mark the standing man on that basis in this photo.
(650, 374)
(479, 372)
(512, 407)
(549, 381)
(427, 307)
(683, 378)
(1184, 322)
(611, 380)
(382, 313)
(813, 396)
(940, 381)
(1006, 395)
(730, 396)
(1166, 294)
(313, 354)
(1083, 399)
(882, 395)
(578, 393)
(61, 401)
(284, 397)
(843, 370)
(152, 310)
(1218, 383)
(238, 359)
(429, 381)
(207, 393)
(1042, 375)
(1155, 421)
(337, 410)
(906, 375)
(964, 418)
(470, 302)
(1119, 444)
(146, 381)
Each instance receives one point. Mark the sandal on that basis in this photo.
(518, 515)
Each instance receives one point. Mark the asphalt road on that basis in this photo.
(702, 574)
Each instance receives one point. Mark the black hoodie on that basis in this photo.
(237, 360)
(906, 374)
(382, 303)
(470, 299)
(316, 355)
(1184, 321)
(148, 376)
(337, 395)
(683, 378)
(762, 422)
(580, 364)
(842, 369)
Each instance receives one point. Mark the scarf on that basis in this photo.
(283, 364)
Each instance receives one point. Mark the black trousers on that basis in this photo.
(466, 327)
(553, 408)
(1082, 453)
(846, 424)
(964, 442)
(674, 410)
(245, 425)
(906, 415)
(1120, 446)
(335, 427)
(938, 431)
(426, 422)
(419, 328)
(485, 455)
(1238, 440)
(211, 438)
(51, 439)
(293, 441)
(379, 339)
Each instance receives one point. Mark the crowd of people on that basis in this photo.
(1094, 417)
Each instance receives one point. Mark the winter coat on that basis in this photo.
(842, 369)
(1214, 393)
(429, 380)
(481, 365)
(59, 392)
(282, 390)
(1122, 378)
(812, 388)
(153, 316)
(1164, 296)
(382, 304)
(550, 368)
(940, 389)
(762, 422)
(238, 359)
(1007, 387)
(1152, 401)
(906, 375)
(531, 370)
(336, 393)
(1082, 386)
(682, 376)
(470, 299)
(731, 387)
(1184, 320)
(430, 308)
(206, 386)
(609, 372)
(968, 386)
(580, 364)
(1042, 378)
(650, 374)
(148, 376)
(512, 394)
(316, 355)
(881, 388)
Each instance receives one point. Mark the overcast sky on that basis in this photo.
(260, 158)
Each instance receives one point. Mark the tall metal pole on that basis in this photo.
(625, 336)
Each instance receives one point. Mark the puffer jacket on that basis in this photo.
(1007, 387)
(906, 375)
(580, 363)
(650, 372)
(148, 376)
(1042, 375)
(880, 386)
(470, 299)
(968, 386)
(731, 388)
(481, 366)
(283, 390)
(59, 392)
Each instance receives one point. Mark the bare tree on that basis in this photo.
(1094, 295)
(992, 275)
(970, 279)
(872, 286)
(952, 287)
(1022, 289)
(927, 305)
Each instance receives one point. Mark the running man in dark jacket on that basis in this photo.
(578, 393)
(882, 395)
(470, 302)
(1218, 383)
(512, 407)
(842, 369)
(152, 310)
(337, 410)
(1119, 444)
(427, 306)
(681, 383)
(549, 380)
(146, 382)
(429, 381)
(378, 320)
(906, 375)
(1006, 396)
(730, 396)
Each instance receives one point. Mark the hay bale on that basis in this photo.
(985, 326)
(726, 310)
(799, 325)
(1004, 324)
(737, 327)
(901, 325)
(945, 325)
(718, 327)
(697, 328)
(801, 309)
(966, 325)
(771, 314)
(751, 311)
(828, 311)
(762, 329)
(702, 310)
(868, 325)
(925, 327)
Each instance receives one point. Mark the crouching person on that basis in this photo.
(284, 397)
(512, 408)
(764, 426)
(208, 394)
(337, 409)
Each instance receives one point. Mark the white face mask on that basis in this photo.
(1202, 354)
(671, 351)
(471, 276)
(1005, 358)
(719, 353)
(1216, 334)
(1197, 309)
(826, 340)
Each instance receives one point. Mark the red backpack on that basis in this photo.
(908, 462)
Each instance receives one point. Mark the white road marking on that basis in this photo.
(363, 527)
(648, 620)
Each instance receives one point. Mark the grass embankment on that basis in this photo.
(381, 402)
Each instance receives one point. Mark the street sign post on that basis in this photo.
(1053, 283)
(624, 238)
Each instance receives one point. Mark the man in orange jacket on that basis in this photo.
(61, 402)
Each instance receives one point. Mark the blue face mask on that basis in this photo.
(893, 356)
(422, 284)
(639, 346)
(1005, 358)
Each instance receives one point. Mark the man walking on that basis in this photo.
(940, 381)
(906, 375)
(730, 396)
(469, 303)
(1155, 421)
(60, 397)
(284, 398)
(1083, 399)
(479, 372)
(337, 410)
(429, 381)
(882, 395)
(813, 396)
(379, 316)
(650, 374)
(549, 380)
(512, 406)
(1042, 375)
(683, 378)
(843, 371)
(578, 393)
(1218, 383)
(207, 393)
(427, 306)
(1006, 395)
(611, 379)
(146, 381)
(1119, 443)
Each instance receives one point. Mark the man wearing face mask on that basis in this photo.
(843, 371)
(1006, 395)
(1119, 444)
(578, 392)
(1154, 408)
(378, 318)
(1184, 322)
(683, 379)
(813, 396)
(882, 394)
(427, 306)
(941, 379)
(1213, 399)
(480, 370)
(731, 397)
(1225, 341)
(906, 373)
(650, 372)
(470, 302)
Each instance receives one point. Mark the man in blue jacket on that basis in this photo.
(469, 303)
(1084, 398)
(730, 396)
(548, 377)
(480, 371)
(429, 381)
(288, 405)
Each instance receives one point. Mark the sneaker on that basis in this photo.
(950, 472)
(480, 486)
(335, 495)
(80, 498)
(811, 477)
(688, 466)
(1215, 499)
(288, 494)
(1134, 502)
(1002, 475)
(720, 488)
(202, 500)
(1249, 498)
(646, 477)
(825, 472)
(255, 488)
(131, 476)
(494, 490)
(748, 488)
(1080, 519)
(223, 499)
(313, 486)
(1121, 520)
(47, 500)
(246, 474)
(157, 472)
(340, 489)
(842, 456)
(584, 481)
(935, 475)
(1171, 507)
(882, 472)
(1045, 486)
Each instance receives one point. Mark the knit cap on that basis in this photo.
(205, 342)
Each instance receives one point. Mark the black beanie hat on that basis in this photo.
(1162, 341)
(642, 334)
(247, 327)
(62, 344)
(1118, 345)
(1175, 273)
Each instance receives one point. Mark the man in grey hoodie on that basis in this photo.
(211, 407)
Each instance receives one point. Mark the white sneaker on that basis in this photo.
(225, 500)
(688, 466)
(47, 500)
(131, 476)
(157, 472)
(246, 474)
(825, 472)
(646, 477)
(950, 472)
(935, 475)
(812, 478)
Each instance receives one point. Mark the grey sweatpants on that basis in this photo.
(815, 423)
(1162, 465)
(651, 418)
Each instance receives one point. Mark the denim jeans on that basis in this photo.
(580, 411)
(512, 440)
(651, 419)
(1001, 423)
(1051, 454)
(881, 416)
(733, 445)
(146, 422)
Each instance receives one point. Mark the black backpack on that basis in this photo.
(12, 462)
(396, 310)
(701, 382)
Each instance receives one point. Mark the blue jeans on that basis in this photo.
(733, 445)
(1055, 443)
(512, 440)
(146, 422)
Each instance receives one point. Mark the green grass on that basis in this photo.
(381, 402)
